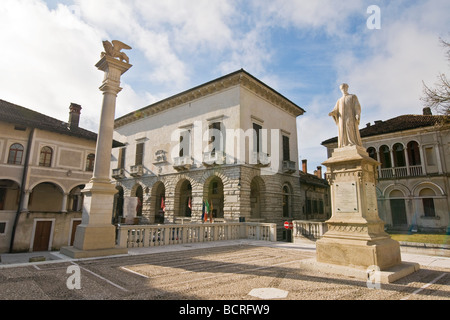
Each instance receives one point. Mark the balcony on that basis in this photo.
(261, 159)
(182, 163)
(118, 173)
(288, 167)
(137, 170)
(213, 158)
(400, 172)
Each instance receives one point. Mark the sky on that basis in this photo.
(303, 49)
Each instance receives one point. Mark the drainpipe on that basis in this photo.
(22, 189)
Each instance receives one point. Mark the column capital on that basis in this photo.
(113, 69)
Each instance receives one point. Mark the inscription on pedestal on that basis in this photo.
(371, 197)
(346, 197)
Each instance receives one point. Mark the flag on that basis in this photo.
(206, 210)
(211, 213)
(163, 204)
(203, 211)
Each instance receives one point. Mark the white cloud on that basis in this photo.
(48, 60)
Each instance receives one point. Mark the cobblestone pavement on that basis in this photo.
(226, 271)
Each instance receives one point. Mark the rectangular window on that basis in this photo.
(257, 143)
(2, 227)
(286, 151)
(428, 207)
(429, 153)
(2, 198)
(185, 143)
(139, 154)
(215, 137)
(122, 154)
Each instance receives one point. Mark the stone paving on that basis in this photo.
(229, 270)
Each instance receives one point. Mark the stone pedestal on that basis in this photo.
(96, 236)
(356, 237)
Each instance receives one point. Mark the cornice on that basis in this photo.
(240, 77)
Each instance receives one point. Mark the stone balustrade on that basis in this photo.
(139, 236)
(308, 229)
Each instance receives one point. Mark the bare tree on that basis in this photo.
(438, 98)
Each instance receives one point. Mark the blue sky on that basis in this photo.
(303, 49)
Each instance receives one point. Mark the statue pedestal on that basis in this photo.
(356, 238)
(96, 236)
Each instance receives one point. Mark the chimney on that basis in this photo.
(305, 166)
(319, 172)
(427, 111)
(74, 116)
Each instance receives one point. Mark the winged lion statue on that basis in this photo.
(114, 50)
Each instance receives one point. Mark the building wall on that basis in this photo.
(237, 108)
(49, 192)
(401, 189)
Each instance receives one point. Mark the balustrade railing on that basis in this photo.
(139, 236)
(312, 230)
(401, 172)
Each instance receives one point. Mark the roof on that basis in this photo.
(241, 77)
(400, 123)
(311, 179)
(18, 115)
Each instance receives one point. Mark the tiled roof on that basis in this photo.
(400, 123)
(18, 115)
(310, 179)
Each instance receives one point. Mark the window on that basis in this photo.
(399, 155)
(257, 143)
(286, 151)
(122, 154)
(139, 154)
(90, 162)
(413, 153)
(185, 143)
(385, 157)
(286, 202)
(428, 207)
(45, 159)
(429, 153)
(2, 198)
(15, 154)
(372, 153)
(2, 227)
(428, 202)
(215, 137)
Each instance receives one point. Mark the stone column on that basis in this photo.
(95, 236)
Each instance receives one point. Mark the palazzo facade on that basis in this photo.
(227, 148)
(413, 178)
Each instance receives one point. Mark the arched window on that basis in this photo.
(90, 162)
(45, 159)
(399, 155)
(385, 157)
(372, 153)
(15, 154)
(413, 153)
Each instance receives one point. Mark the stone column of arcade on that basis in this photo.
(95, 236)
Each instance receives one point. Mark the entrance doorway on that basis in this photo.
(42, 233)
(398, 211)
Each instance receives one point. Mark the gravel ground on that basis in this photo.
(224, 273)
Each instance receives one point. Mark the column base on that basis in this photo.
(383, 253)
(75, 253)
(386, 276)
